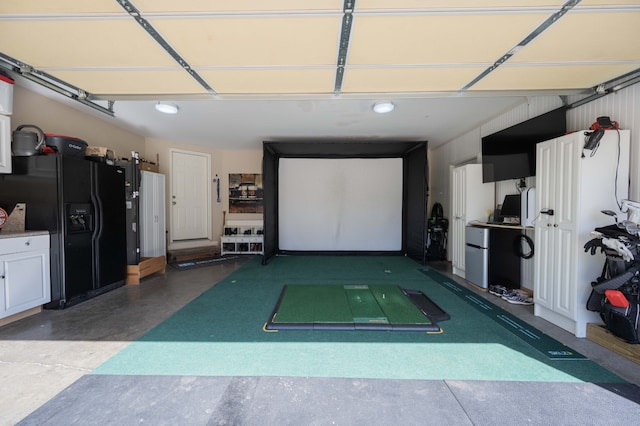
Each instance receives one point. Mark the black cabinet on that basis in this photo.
(504, 256)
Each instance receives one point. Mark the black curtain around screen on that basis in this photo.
(270, 199)
(415, 203)
(415, 184)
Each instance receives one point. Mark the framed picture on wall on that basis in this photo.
(245, 193)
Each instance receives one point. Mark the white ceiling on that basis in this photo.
(244, 71)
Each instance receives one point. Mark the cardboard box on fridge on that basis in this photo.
(149, 167)
(99, 151)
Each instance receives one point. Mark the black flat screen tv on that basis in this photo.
(511, 153)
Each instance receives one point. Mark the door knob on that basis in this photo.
(174, 203)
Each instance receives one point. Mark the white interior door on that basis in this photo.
(189, 199)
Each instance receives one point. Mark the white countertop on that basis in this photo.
(497, 225)
(14, 234)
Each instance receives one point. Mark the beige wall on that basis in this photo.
(56, 117)
(222, 163)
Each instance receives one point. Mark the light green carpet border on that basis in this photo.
(220, 334)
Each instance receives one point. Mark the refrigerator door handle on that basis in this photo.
(97, 207)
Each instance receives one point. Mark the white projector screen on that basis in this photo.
(346, 204)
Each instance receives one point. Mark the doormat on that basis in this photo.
(192, 264)
(543, 343)
(348, 307)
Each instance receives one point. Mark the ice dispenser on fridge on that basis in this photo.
(79, 218)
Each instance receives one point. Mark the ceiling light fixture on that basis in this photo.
(167, 108)
(383, 107)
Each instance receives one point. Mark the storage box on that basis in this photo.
(147, 266)
(66, 145)
(6, 95)
(99, 151)
(149, 167)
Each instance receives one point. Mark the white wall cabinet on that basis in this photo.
(152, 215)
(5, 144)
(24, 273)
(571, 192)
(471, 200)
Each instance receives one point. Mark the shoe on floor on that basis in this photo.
(497, 290)
(511, 292)
(518, 298)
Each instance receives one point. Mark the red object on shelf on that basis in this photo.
(66, 145)
(3, 217)
(604, 123)
(6, 79)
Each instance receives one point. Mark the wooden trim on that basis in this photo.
(20, 315)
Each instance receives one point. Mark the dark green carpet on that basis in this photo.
(221, 333)
(551, 348)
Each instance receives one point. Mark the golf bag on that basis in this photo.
(615, 293)
(437, 229)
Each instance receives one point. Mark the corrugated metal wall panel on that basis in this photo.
(623, 107)
(508, 119)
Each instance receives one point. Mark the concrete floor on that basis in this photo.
(42, 355)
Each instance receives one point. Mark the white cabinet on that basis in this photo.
(5, 144)
(245, 237)
(471, 200)
(572, 189)
(24, 273)
(152, 215)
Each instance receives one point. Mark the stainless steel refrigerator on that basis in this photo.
(476, 256)
(82, 205)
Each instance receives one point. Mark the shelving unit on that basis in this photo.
(152, 228)
(242, 237)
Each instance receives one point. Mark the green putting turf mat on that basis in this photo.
(545, 344)
(348, 307)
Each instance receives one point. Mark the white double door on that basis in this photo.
(573, 187)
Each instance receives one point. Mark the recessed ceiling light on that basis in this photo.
(167, 108)
(383, 107)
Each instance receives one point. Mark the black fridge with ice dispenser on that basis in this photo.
(82, 205)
